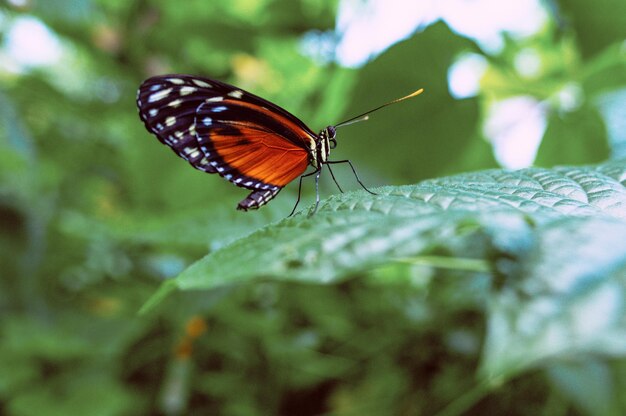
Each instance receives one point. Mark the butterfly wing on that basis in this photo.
(167, 105)
(220, 128)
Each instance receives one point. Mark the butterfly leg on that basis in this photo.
(335, 180)
(317, 190)
(300, 190)
(335, 162)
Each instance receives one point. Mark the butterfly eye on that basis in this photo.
(333, 143)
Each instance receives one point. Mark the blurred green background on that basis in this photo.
(95, 213)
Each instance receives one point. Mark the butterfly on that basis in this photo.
(249, 141)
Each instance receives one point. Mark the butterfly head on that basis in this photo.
(331, 133)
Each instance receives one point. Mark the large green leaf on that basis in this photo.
(470, 215)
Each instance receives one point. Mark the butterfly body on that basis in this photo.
(219, 128)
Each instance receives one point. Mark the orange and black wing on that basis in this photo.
(219, 128)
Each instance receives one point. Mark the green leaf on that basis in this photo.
(408, 140)
(568, 299)
(574, 138)
(468, 216)
(612, 106)
(596, 24)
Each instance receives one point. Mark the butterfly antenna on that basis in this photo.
(365, 116)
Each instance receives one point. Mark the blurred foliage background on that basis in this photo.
(95, 213)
